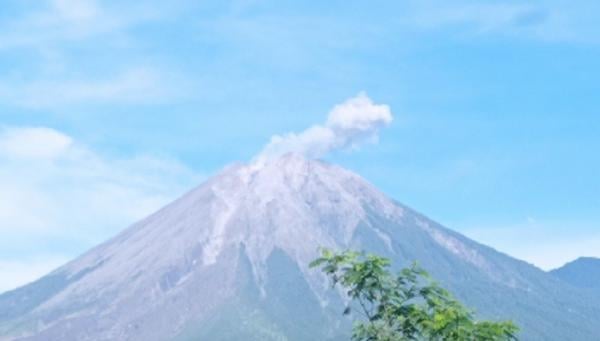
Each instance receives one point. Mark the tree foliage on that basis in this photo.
(404, 306)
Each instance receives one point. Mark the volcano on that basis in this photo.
(229, 261)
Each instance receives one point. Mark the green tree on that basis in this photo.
(405, 306)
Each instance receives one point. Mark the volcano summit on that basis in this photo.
(229, 261)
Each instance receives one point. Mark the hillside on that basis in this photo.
(583, 272)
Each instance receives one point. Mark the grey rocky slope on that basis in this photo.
(229, 261)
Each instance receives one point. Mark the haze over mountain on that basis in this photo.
(229, 261)
(583, 272)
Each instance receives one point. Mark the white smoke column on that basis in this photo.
(351, 123)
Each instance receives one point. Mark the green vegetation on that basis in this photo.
(405, 306)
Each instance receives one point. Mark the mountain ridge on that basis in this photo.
(583, 272)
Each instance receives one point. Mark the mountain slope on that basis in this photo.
(583, 272)
(229, 261)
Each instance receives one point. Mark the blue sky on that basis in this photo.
(109, 109)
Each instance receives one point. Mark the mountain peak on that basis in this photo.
(291, 203)
(293, 193)
(583, 272)
(291, 163)
(237, 249)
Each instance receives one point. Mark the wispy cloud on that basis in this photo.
(58, 21)
(137, 85)
(33, 143)
(47, 75)
(550, 21)
(56, 189)
(484, 17)
(78, 10)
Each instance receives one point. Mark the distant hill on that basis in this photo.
(583, 272)
(229, 261)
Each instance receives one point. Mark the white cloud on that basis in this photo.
(57, 190)
(349, 124)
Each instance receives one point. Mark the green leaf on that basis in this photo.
(405, 306)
